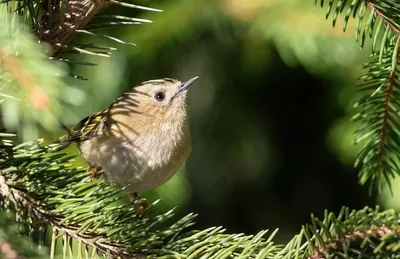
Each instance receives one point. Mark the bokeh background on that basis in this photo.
(270, 114)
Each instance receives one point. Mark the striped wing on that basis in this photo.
(87, 128)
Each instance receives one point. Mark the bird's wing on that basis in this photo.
(94, 125)
(87, 128)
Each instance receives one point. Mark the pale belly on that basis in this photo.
(126, 164)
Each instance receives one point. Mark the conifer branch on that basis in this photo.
(378, 113)
(33, 210)
(365, 233)
(23, 85)
(378, 159)
(46, 190)
(379, 17)
(380, 14)
(358, 235)
(60, 22)
(387, 104)
(36, 212)
(55, 23)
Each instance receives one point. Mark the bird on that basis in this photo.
(141, 140)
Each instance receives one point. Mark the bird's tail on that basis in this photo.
(65, 140)
(61, 143)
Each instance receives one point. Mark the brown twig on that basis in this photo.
(386, 116)
(329, 248)
(59, 24)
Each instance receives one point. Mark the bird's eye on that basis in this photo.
(160, 96)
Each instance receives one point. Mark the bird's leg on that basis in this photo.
(141, 202)
(94, 171)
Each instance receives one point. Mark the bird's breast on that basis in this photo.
(144, 161)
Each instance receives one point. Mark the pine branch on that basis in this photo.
(23, 85)
(379, 157)
(367, 233)
(45, 90)
(62, 21)
(375, 19)
(57, 22)
(46, 189)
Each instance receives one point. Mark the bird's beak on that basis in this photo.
(185, 85)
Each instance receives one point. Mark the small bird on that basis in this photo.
(141, 140)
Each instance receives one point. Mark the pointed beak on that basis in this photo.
(185, 85)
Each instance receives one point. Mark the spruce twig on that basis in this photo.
(60, 22)
(378, 159)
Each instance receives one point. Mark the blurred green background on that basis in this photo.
(269, 114)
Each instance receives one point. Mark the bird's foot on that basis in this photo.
(95, 171)
(140, 203)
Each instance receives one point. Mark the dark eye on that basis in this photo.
(160, 96)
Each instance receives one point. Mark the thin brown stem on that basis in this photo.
(386, 115)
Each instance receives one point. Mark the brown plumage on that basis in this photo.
(141, 139)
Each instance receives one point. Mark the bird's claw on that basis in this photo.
(140, 203)
(95, 171)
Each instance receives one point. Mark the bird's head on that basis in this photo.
(162, 97)
(152, 105)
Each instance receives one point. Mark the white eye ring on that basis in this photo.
(159, 96)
